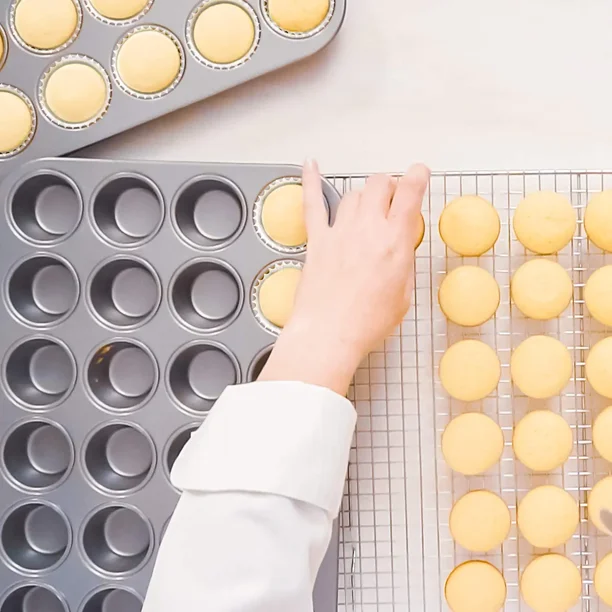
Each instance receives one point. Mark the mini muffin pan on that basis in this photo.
(126, 310)
(26, 71)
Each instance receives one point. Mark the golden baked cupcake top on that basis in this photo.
(76, 93)
(46, 25)
(298, 16)
(149, 61)
(16, 121)
(119, 10)
(224, 33)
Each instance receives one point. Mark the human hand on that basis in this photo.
(357, 281)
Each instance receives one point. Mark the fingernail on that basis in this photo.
(311, 164)
(421, 171)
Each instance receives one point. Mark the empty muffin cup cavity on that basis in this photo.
(39, 373)
(117, 540)
(43, 290)
(198, 374)
(206, 295)
(33, 598)
(125, 292)
(35, 537)
(37, 455)
(119, 458)
(122, 375)
(112, 599)
(128, 210)
(258, 364)
(176, 445)
(209, 212)
(46, 208)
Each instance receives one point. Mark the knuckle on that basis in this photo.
(387, 249)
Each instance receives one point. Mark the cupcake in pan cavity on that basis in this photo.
(17, 120)
(119, 458)
(206, 295)
(45, 208)
(223, 34)
(128, 210)
(42, 290)
(112, 599)
(39, 372)
(124, 292)
(298, 18)
(35, 537)
(116, 540)
(121, 375)
(37, 455)
(209, 212)
(32, 597)
(118, 12)
(75, 92)
(198, 373)
(278, 215)
(45, 26)
(3, 46)
(148, 62)
(273, 294)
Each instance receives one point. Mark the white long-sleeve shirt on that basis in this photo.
(262, 482)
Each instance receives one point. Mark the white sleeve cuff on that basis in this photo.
(282, 438)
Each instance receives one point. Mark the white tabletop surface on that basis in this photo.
(459, 84)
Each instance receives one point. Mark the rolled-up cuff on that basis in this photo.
(284, 438)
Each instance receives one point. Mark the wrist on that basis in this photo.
(305, 352)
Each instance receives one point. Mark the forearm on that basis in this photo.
(309, 354)
(249, 551)
(263, 481)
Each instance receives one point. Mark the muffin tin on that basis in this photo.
(25, 70)
(126, 309)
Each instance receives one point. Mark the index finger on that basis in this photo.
(408, 199)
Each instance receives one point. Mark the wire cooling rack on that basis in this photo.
(396, 546)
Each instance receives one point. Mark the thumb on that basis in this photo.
(315, 208)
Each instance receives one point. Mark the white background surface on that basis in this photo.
(459, 84)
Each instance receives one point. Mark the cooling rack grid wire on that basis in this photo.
(396, 547)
